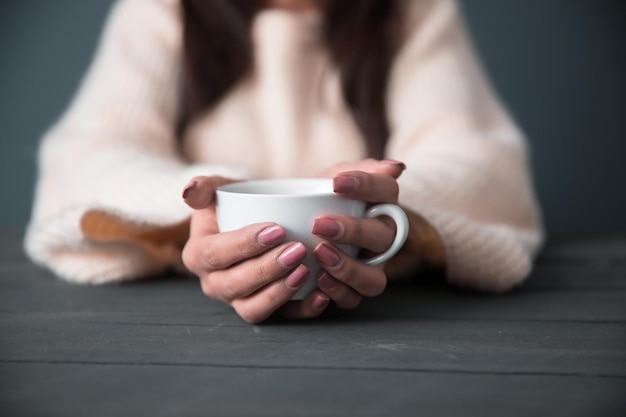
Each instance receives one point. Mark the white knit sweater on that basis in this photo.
(112, 169)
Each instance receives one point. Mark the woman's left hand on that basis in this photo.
(347, 280)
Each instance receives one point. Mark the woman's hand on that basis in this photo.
(252, 269)
(347, 280)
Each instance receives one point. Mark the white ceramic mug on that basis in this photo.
(294, 204)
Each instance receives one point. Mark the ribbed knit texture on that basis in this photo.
(112, 168)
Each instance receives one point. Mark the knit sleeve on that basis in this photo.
(468, 169)
(110, 174)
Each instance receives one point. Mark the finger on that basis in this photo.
(367, 280)
(199, 193)
(374, 235)
(373, 166)
(389, 167)
(263, 303)
(341, 294)
(203, 223)
(219, 251)
(246, 278)
(311, 306)
(373, 188)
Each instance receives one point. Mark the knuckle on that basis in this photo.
(356, 231)
(249, 315)
(266, 272)
(218, 289)
(366, 180)
(210, 256)
(227, 290)
(207, 288)
(346, 270)
(378, 285)
(251, 241)
(247, 242)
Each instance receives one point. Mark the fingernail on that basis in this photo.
(326, 256)
(326, 282)
(272, 235)
(320, 302)
(394, 162)
(326, 227)
(344, 184)
(293, 255)
(188, 188)
(298, 277)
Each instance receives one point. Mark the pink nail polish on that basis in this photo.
(297, 277)
(188, 188)
(272, 235)
(344, 184)
(326, 256)
(326, 227)
(293, 255)
(320, 302)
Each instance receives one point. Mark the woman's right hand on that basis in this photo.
(252, 269)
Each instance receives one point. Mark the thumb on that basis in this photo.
(199, 193)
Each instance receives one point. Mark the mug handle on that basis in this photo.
(402, 230)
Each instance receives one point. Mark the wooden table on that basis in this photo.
(554, 347)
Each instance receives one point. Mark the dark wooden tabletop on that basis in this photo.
(554, 347)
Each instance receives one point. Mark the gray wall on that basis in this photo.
(559, 65)
(45, 47)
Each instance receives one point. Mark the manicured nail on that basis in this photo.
(272, 235)
(326, 255)
(344, 184)
(394, 162)
(326, 282)
(326, 227)
(320, 302)
(293, 255)
(188, 188)
(298, 277)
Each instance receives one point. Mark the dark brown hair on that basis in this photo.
(358, 35)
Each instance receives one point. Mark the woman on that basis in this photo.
(215, 91)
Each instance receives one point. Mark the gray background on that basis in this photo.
(558, 64)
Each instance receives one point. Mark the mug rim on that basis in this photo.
(324, 187)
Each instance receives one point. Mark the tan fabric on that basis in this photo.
(111, 171)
